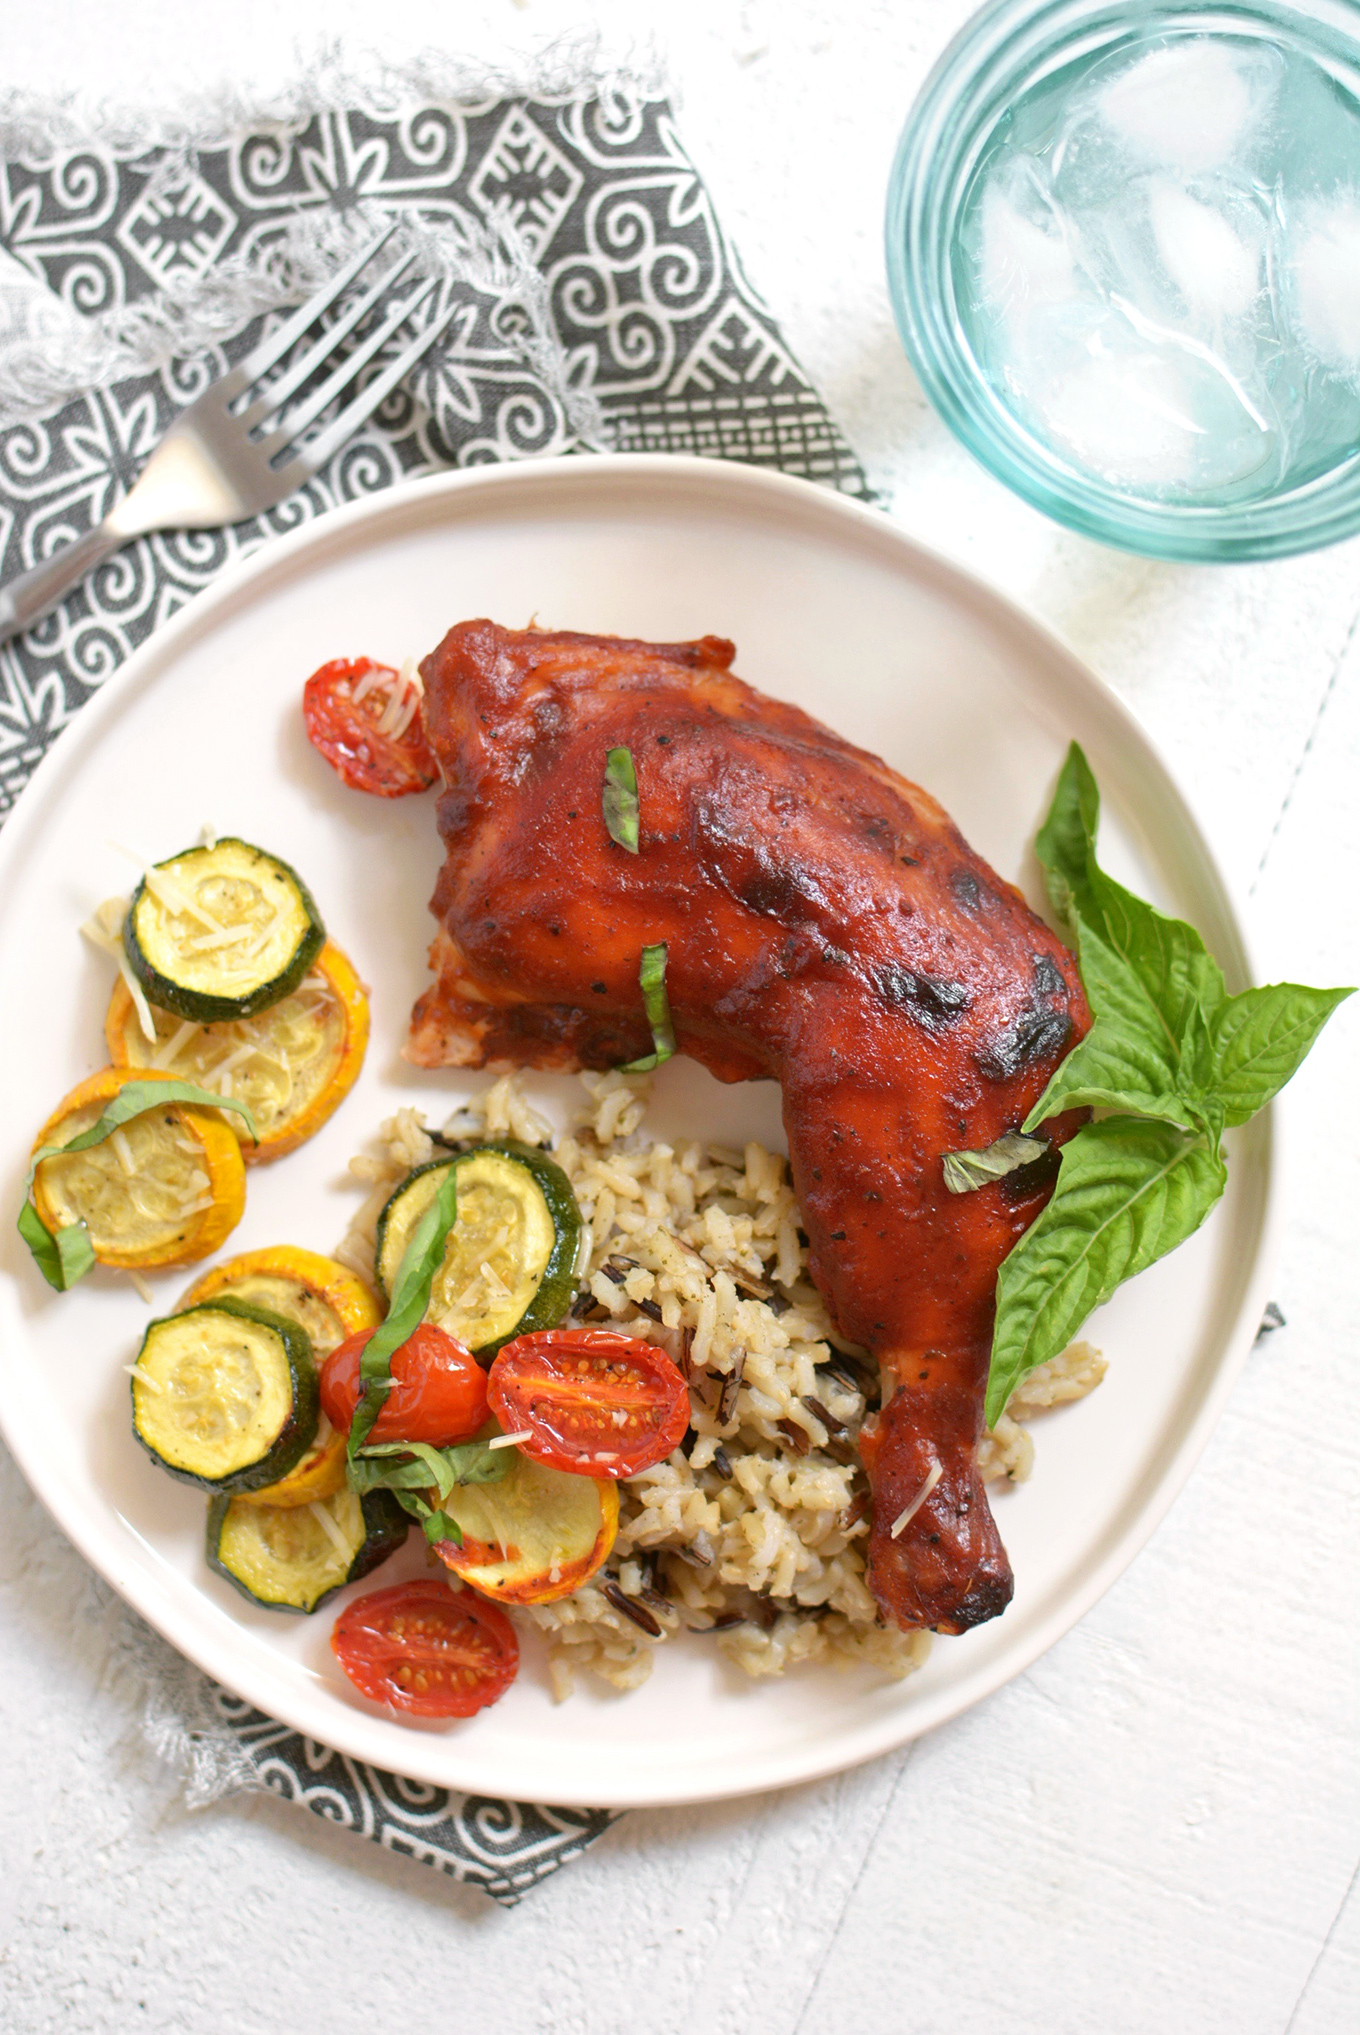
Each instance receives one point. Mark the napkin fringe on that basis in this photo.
(41, 128)
(50, 351)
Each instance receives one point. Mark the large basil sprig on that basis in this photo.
(65, 1255)
(1173, 1054)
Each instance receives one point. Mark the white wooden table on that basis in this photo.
(1157, 1828)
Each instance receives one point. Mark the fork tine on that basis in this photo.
(272, 349)
(313, 456)
(276, 394)
(350, 363)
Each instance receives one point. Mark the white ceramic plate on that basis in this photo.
(830, 606)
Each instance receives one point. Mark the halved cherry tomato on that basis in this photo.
(426, 1650)
(346, 729)
(596, 1403)
(439, 1395)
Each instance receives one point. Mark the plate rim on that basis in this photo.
(367, 1736)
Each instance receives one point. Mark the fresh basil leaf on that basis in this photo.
(470, 1462)
(68, 1255)
(1067, 837)
(1179, 973)
(437, 1525)
(1127, 1060)
(1259, 1040)
(963, 1171)
(1147, 976)
(657, 1004)
(620, 799)
(62, 1256)
(74, 1250)
(1128, 1192)
(423, 1256)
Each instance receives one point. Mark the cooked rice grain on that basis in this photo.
(753, 1530)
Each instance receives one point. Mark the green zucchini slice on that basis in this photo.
(221, 932)
(293, 1557)
(510, 1261)
(225, 1395)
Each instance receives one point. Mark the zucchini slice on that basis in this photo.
(536, 1535)
(510, 1262)
(168, 1187)
(225, 1395)
(221, 932)
(330, 1303)
(292, 1558)
(293, 1064)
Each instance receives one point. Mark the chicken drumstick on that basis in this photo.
(826, 925)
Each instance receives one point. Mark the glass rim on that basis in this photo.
(1002, 47)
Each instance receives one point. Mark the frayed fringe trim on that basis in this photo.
(172, 1709)
(40, 130)
(50, 353)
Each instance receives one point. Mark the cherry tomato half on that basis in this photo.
(600, 1404)
(439, 1395)
(346, 730)
(427, 1650)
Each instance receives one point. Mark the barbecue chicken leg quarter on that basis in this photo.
(827, 926)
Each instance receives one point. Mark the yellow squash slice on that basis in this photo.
(292, 1064)
(536, 1535)
(166, 1188)
(331, 1304)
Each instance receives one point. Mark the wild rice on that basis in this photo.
(755, 1529)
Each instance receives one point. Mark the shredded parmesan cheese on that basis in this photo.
(104, 929)
(510, 1441)
(119, 1140)
(904, 1519)
(168, 893)
(175, 1044)
(143, 1377)
(331, 1531)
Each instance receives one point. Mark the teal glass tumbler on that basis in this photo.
(1015, 48)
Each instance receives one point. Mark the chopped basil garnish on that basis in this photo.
(67, 1254)
(656, 1003)
(423, 1468)
(963, 1171)
(410, 1297)
(1171, 1051)
(620, 799)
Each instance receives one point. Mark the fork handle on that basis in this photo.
(30, 594)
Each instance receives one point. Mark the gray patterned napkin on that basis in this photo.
(598, 306)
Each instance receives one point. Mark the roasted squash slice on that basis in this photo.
(292, 1063)
(225, 1395)
(536, 1535)
(330, 1303)
(510, 1260)
(294, 1559)
(166, 1188)
(221, 931)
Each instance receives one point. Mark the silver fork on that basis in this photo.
(218, 463)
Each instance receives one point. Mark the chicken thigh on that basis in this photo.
(826, 926)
